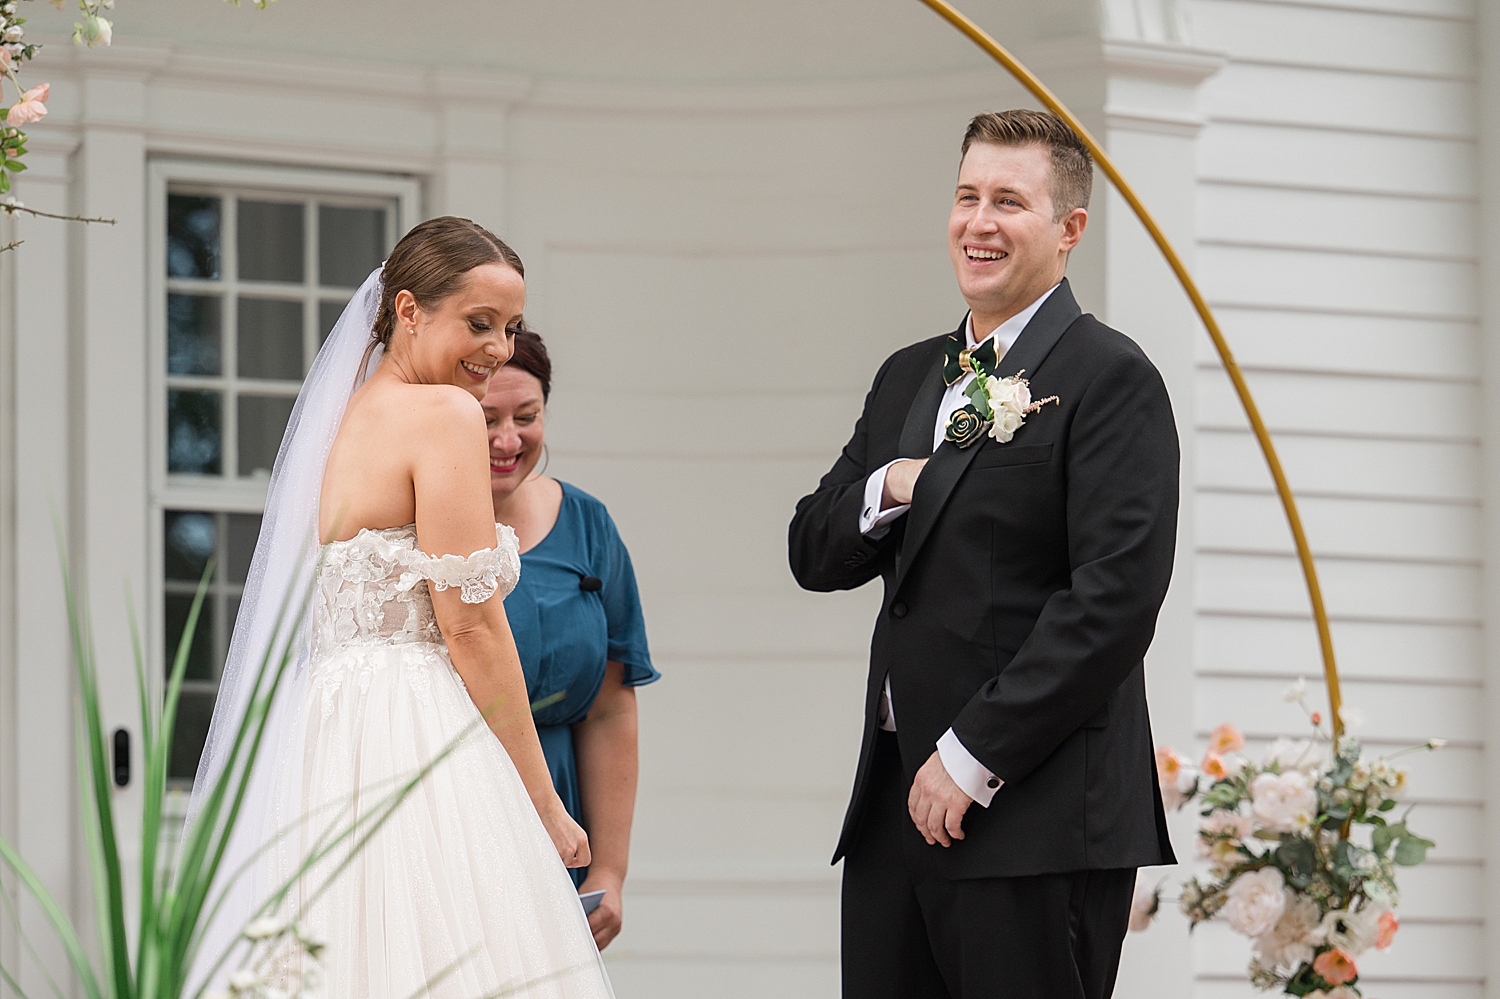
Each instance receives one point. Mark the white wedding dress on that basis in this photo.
(460, 893)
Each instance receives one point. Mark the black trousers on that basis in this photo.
(910, 933)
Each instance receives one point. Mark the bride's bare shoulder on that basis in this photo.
(416, 407)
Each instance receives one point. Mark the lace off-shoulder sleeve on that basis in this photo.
(479, 575)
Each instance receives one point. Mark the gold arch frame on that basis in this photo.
(1262, 436)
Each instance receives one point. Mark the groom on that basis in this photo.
(1006, 790)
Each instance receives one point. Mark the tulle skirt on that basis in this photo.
(457, 891)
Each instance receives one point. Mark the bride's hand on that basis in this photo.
(568, 837)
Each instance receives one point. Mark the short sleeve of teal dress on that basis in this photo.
(576, 608)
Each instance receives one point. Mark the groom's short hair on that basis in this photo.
(1072, 166)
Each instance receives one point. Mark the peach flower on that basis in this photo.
(1168, 764)
(1213, 766)
(1225, 739)
(1335, 967)
(1389, 924)
(30, 107)
(5, 60)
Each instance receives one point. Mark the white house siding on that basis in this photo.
(1337, 242)
(723, 239)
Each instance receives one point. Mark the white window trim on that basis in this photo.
(230, 494)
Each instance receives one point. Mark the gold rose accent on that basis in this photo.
(964, 426)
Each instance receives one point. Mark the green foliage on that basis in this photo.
(178, 901)
(172, 902)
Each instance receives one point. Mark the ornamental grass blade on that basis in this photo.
(114, 947)
(209, 836)
(97, 870)
(58, 919)
(155, 900)
(15, 918)
(15, 986)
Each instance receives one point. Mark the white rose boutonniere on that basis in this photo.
(999, 405)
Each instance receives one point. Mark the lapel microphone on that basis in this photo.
(591, 584)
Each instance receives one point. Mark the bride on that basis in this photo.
(462, 890)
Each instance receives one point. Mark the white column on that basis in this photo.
(39, 804)
(110, 408)
(1489, 336)
(1140, 99)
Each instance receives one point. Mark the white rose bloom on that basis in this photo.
(1007, 393)
(13, 33)
(1256, 902)
(1005, 425)
(1290, 942)
(1283, 802)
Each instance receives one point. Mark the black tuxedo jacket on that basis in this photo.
(1021, 593)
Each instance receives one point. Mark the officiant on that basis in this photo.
(576, 617)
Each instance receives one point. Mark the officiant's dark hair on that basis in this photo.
(530, 355)
(1072, 166)
(430, 261)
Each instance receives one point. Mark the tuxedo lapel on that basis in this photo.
(949, 462)
(916, 433)
(1041, 334)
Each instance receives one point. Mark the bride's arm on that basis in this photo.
(455, 515)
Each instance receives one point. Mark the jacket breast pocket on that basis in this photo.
(1007, 455)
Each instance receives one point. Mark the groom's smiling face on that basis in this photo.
(1006, 245)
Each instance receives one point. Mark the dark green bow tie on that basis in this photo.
(959, 361)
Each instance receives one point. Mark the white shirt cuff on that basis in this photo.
(873, 521)
(968, 773)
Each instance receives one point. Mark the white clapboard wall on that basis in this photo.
(1336, 241)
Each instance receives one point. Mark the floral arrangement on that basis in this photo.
(1302, 851)
(999, 405)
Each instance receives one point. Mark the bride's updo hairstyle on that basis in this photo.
(430, 261)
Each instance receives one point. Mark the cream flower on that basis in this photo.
(1290, 942)
(93, 32)
(1143, 906)
(1223, 824)
(1007, 421)
(30, 107)
(1353, 932)
(1296, 693)
(1008, 393)
(1283, 802)
(1256, 902)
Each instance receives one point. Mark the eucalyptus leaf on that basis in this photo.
(1412, 850)
(1383, 836)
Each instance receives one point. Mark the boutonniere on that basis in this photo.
(999, 405)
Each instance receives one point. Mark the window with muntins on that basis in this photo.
(251, 279)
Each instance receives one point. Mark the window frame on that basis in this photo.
(228, 493)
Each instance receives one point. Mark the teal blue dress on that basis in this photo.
(576, 608)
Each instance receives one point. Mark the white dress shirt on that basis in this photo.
(968, 773)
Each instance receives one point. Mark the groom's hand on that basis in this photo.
(937, 804)
(900, 481)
